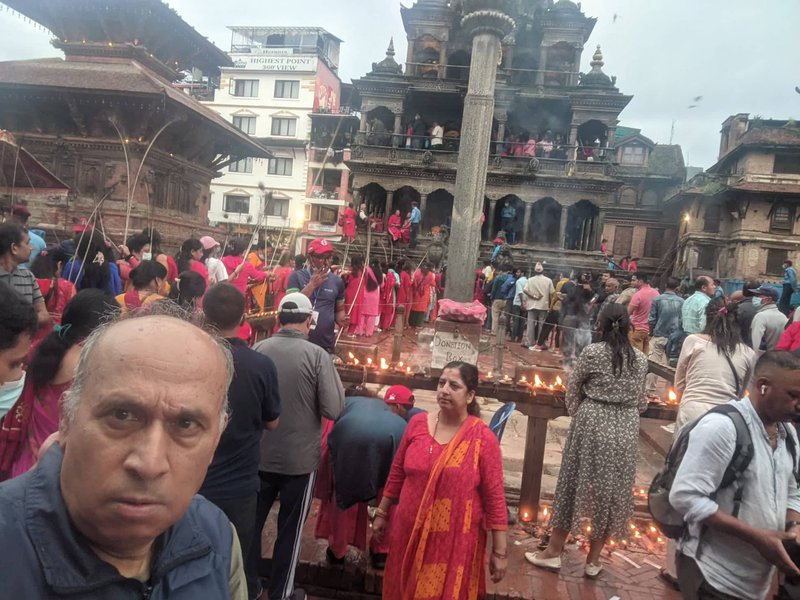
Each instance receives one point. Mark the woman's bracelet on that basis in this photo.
(496, 554)
(379, 512)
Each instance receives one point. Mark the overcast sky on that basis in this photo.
(739, 55)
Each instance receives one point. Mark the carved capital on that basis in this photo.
(488, 21)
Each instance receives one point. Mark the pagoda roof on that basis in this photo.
(121, 77)
(19, 169)
(148, 23)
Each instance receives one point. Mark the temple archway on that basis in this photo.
(381, 125)
(374, 196)
(458, 65)
(581, 226)
(402, 199)
(592, 135)
(545, 225)
(514, 232)
(438, 210)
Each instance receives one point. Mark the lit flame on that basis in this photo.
(652, 529)
(660, 540)
(672, 397)
(369, 361)
(408, 370)
(588, 529)
(525, 516)
(558, 380)
(536, 380)
(522, 379)
(489, 375)
(384, 364)
(350, 354)
(400, 364)
(544, 512)
(355, 361)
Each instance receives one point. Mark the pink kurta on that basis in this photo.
(349, 223)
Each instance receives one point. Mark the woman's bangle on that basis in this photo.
(379, 512)
(496, 554)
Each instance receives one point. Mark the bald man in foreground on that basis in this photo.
(110, 511)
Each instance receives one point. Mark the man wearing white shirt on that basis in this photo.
(538, 291)
(437, 136)
(520, 305)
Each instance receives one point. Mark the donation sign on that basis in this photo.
(449, 346)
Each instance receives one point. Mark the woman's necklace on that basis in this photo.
(435, 429)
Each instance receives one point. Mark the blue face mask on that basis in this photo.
(756, 301)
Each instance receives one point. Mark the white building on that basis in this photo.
(279, 78)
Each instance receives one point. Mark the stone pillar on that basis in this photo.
(562, 229)
(398, 125)
(487, 28)
(442, 72)
(527, 222)
(388, 209)
(542, 66)
(490, 218)
(501, 132)
(362, 128)
(423, 205)
(599, 224)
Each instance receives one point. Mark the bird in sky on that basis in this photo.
(616, 16)
(697, 98)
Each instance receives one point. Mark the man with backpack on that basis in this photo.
(736, 488)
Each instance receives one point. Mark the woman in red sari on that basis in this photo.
(240, 271)
(447, 481)
(35, 415)
(405, 291)
(57, 291)
(349, 222)
(389, 287)
(424, 282)
(395, 227)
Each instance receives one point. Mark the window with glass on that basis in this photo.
(246, 124)
(782, 219)
(287, 89)
(242, 166)
(632, 155)
(278, 207)
(285, 127)
(236, 203)
(247, 88)
(280, 166)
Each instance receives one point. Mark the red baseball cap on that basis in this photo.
(81, 226)
(399, 394)
(320, 246)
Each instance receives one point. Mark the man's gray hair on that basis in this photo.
(72, 398)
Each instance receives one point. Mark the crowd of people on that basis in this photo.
(132, 485)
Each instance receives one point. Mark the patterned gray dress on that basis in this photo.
(598, 468)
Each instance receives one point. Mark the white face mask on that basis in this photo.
(756, 301)
(147, 256)
(10, 391)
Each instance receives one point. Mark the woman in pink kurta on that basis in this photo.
(354, 293)
(391, 283)
(447, 481)
(371, 302)
(395, 227)
(239, 278)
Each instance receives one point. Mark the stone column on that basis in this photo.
(362, 128)
(526, 222)
(423, 205)
(398, 124)
(542, 66)
(388, 209)
(487, 28)
(490, 218)
(442, 72)
(562, 229)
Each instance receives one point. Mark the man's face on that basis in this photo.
(11, 358)
(610, 287)
(399, 410)
(139, 446)
(321, 262)
(604, 277)
(22, 252)
(782, 397)
(635, 283)
(710, 288)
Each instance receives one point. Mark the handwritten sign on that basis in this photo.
(449, 346)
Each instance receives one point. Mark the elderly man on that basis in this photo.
(111, 511)
(19, 216)
(310, 389)
(769, 322)
(325, 289)
(693, 311)
(15, 250)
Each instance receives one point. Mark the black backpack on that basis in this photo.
(669, 520)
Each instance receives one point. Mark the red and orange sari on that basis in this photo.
(449, 496)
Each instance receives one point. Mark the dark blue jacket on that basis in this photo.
(44, 557)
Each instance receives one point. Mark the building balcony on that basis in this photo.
(447, 160)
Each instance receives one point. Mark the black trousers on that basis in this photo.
(785, 303)
(692, 583)
(412, 242)
(241, 512)
(295, 493)
(550, 323)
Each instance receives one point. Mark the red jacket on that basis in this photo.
(790, 340)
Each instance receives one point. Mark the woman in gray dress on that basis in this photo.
(605, 396)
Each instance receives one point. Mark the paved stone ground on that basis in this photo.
(621, 578)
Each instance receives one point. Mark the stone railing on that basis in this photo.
(520, 165)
